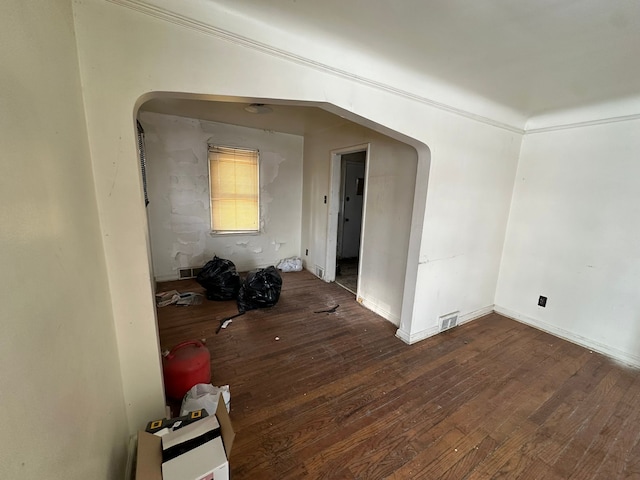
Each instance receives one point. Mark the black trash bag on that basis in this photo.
(260, 289)
(220, 278)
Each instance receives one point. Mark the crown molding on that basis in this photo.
(208, 29)
(588, 123)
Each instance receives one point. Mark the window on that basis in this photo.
(234, 186)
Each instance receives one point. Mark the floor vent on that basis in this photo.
(448, 321)
(189, 272)
(320, 272)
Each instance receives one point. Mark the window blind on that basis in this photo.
(234, 188)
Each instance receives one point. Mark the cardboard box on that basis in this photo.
(169, 423)
(195, 452)
(208, 461)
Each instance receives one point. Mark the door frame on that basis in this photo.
(335, 180)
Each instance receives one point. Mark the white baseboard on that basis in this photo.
(131, 457)
(167, 278)
(416, 337)
(430, 332)
(240, 268)
(619, 355)
(379, 310)
(481, 312)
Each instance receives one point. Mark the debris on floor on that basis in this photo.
(167, 298)
(220, 278)
(224, 323)
(291, 264)
(260, 289)
(330, 310)
(190, 298)
(174, 297)
(205, 395)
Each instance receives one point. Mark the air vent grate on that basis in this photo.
(448, 321)
(189, 272)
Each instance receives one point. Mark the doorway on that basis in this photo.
(344, 238)
(352, 170)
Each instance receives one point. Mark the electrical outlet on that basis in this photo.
(306, 252)
(542, 301)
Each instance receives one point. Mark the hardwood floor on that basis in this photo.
(337, 396)
(347, 274)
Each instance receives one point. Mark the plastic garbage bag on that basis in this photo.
(260, 289)
(205, 395)
(291, 264)
(220, 278)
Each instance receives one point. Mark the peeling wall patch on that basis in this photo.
(179, 215)
(277, 244)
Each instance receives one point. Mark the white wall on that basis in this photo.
(574, 237)
(177, 178)
(391, 177)
(470, 189)
(61, 395)
(456, 235)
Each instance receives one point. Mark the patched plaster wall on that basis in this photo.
(178, 188)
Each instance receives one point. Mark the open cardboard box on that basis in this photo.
(149, 463)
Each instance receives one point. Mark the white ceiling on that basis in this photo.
(532, 56)
(296, 120)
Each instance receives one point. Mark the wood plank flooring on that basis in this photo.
(337, 396)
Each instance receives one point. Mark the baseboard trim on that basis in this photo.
(131, 457)
(616, 354)
(410, 339)
(481, 312)
(378, 310)
(166, 278)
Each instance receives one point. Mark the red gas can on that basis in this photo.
(186, 365)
